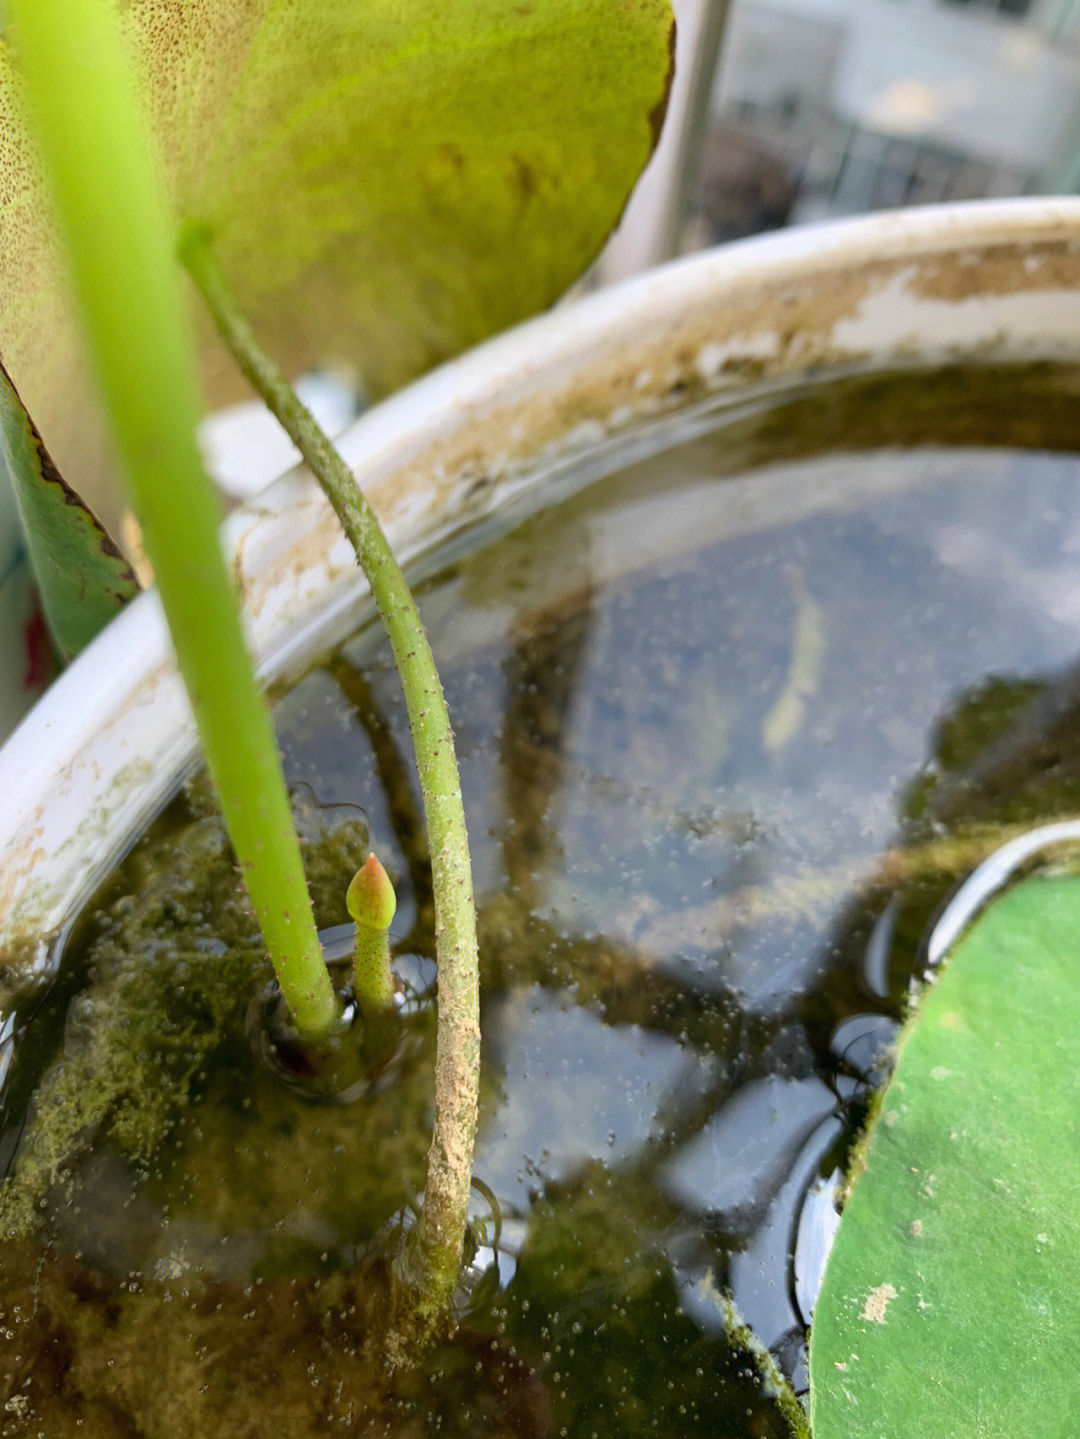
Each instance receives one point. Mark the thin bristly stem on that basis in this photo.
(429, 1268)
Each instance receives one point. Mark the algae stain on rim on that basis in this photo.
(99, 754)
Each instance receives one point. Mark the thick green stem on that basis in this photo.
(430, 1267)
(112, 212)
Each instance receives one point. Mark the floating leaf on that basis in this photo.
(385, 184)
(82, 577)
(951, 1300)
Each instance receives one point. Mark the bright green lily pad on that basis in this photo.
(385, 184)
(951, 1301)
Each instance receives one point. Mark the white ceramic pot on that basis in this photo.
(108, 743)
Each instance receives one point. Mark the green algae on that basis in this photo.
(86, 1354)
(596, 1293)
(174, 966)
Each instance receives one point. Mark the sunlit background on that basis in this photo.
(790, 111)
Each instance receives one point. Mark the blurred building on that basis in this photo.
(833, 107)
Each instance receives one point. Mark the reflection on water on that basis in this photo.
(725, 747)
(690, 730)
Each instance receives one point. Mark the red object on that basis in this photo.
(40, 662)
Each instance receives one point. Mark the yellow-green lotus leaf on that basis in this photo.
(386, 181)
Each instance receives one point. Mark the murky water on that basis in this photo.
(725, 747)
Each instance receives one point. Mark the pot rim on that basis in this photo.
(111, 739)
